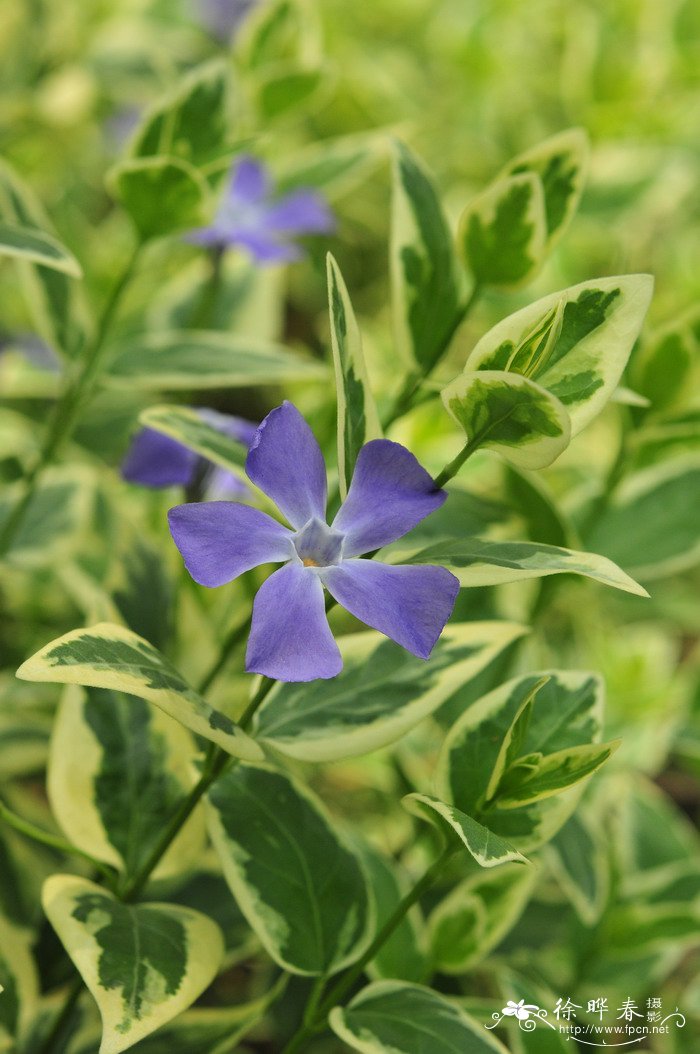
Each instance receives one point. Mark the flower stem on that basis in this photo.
(30, 830)
(67, 409)
(232, 640)
(453, 467)
(314, 1021)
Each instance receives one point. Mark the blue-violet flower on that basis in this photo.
(249, 215)
(290, 638)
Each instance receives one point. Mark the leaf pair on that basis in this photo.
(542, 374)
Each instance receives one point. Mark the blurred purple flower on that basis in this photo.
(223, 18)
(251, 216)
(157, 460)
(290, 638)
(34, 350)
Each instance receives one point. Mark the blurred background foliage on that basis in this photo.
(616, 903)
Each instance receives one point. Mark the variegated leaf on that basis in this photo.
(381, 693)
(567, 712)
(112, 657)
(392, 1017)
(511, 414)
(481, 562)
(53, 298)
(561, 163)
(19, 983)
(301, 888)
(578, 857)
(193, 430)
(53, 524)
(652, 520)
(502, 232)
(163, 195)
(334, 165)
(426, 283)
(534, 777)
(142, 963)
(135, 769)
(586, 350)
(357, 414)
(487, 849)
(663, 370)
(193, 359)
(28, 243)
(477, 914)
(192, 122)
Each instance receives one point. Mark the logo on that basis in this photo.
(603, 1026)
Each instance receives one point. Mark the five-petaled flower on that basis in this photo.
(251, 216)
(521, 1009)
(156, 460)
(290, 638)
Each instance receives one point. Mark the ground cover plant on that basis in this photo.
(350, 468)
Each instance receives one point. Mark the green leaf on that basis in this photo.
(579, 859)
(27, 243)
(135, 769)
(652, 520)
(287, 86)
(358, 422)
(487, 848)
(194, 431)
(333, 165)
(426, 283)
(560, 163)
(142, 590)
(163, 195)
(19, 983)
(534, 777)
(663, 368)
(582, 367)
(192, 359)
(54, 300)
(53, 524)
(476, 916)
(193, 121)
(567, 713)
(142, 964)
(502, 232)
(299, 885)
(112, 657)
(481, 562)
(511, 414)
(272, 32)
(381, 693)
(404, 955)
(392, 1017)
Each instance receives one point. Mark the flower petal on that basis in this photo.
(222, 485)
(249, 184)
(286, 462)
(390, 493)
(290, 638)
(219, 540)
(156, 460)
(409, 604)
(301, 212)
(237, 428)
(264, 246)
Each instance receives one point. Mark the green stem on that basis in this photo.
(314, 1022)
(231, 641)
(53, 1037)
(30, 830)
(453, 467)
(206, 308)
(67, 409)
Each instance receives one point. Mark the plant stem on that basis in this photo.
(453, 467)
(53, 1036)
(231, 641)
(30, 830)
(315, 1021)
(67, 409)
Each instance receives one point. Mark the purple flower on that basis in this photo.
(290, 638)
(156, 460)
(34, 350)
(222, 17)
(250, 216)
